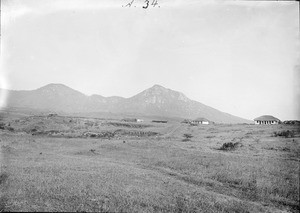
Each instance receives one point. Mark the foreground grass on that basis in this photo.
(154, 174)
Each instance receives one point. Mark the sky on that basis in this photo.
(240, 57)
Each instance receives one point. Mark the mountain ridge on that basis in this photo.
(154, 101)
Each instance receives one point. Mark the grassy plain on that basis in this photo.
(100, 165)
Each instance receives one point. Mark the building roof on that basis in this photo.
(266, 118)
(201, 119)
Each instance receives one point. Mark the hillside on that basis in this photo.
(155, 101)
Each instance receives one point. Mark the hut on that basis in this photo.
(200, 121)
(266, 119)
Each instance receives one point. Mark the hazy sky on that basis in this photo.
(237, 56)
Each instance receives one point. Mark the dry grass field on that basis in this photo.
(99, 165)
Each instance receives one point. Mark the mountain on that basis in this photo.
(155, 101)
(158, 100)
(50, 97)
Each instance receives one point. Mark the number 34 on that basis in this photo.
(154, 3)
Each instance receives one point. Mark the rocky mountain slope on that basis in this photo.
(156, 101)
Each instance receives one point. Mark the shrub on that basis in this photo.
(2, 125)
(9, 128)
(286, 134)
(187, 137)
(229, 146)
(3, 177)
(292, 122)
(93, 135)
(6, 127)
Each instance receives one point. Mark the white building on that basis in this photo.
(200, 121)
(266, 119)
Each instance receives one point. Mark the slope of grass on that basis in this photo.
(152, 174)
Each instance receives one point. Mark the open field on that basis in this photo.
(86, 164)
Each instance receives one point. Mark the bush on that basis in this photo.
(286, 134)
(229, 146)
(2, 125)
(3, 177)
(6, 127)
(292, 122)
(9, 128)
(187, 137)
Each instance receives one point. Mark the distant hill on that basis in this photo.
(155, 101)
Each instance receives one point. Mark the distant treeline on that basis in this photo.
(293, 122)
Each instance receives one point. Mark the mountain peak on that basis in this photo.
(158, 89)
(60, 89)
(160, 95)
(157, 86)
(54, 86)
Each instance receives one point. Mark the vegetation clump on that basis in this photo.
(128, 125)
(10, 128)
(2, 125)
(6, 127)
(292, 122)
(187, 137)
(287, 134)
(106, 134)
(3, 177)
(229, 146)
